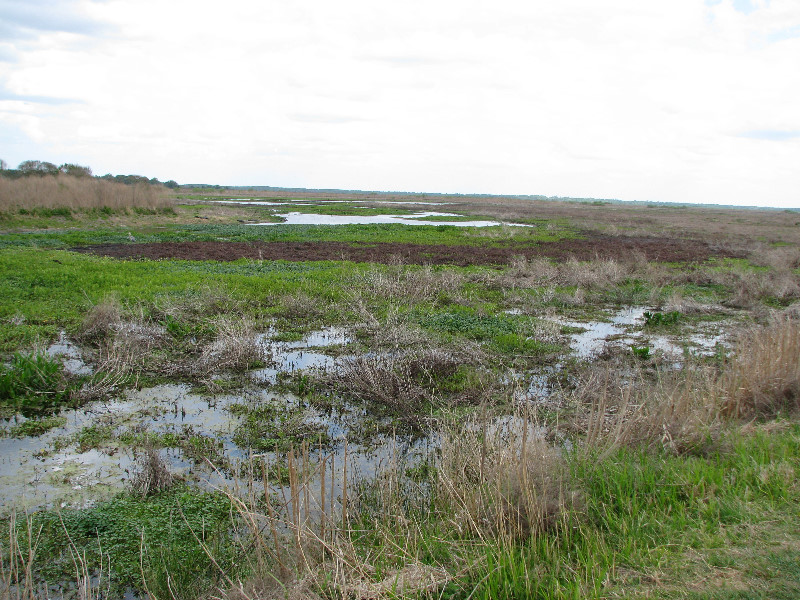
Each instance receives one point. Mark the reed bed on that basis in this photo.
(74, 193)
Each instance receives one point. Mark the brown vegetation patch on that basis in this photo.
(590, 248)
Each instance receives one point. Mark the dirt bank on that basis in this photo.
(596, 246)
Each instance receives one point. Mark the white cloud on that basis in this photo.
(625, 99)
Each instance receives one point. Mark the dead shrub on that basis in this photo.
(203, 302)
(235, 348)
(300, 305)
(596, 273)
(101, 320)
(115, 363)
(404, 383)
(152, 475)
(411, 282)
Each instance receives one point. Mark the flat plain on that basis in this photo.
(450, 397)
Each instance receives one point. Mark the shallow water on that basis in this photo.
(624, 329)
(33, 474)
(70, 355)
(296, 218)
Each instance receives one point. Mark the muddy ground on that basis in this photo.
(592, 247)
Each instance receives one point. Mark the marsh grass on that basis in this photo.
(763, 376)
(73, 193)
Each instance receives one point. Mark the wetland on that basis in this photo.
(358, 398)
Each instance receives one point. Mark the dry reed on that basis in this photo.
(77, 194)
(503, 479)
(764, 375)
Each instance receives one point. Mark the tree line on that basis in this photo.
(41, 168)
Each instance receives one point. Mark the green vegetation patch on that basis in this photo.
(32, 383)
(158, 538)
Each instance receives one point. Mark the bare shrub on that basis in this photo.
(115, 363)
(596, 273)
(152, 475)
(300, 306)
(202, 302)
(404, 383)
(101, 320)
(78, 193)
(235, 348)
(413, 283)
(763, 376)
(536, 271)
(504, 478)
(680, 303)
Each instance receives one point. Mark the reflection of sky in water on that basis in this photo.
(295, 218)
(624, 328)
(32, 474)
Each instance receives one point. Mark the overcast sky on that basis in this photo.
(679, 100)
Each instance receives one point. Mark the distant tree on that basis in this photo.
(172, 184)
(154, 181)
(75, 170)
(37, 167)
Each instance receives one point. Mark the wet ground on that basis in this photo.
(588, 248)
(55, 470)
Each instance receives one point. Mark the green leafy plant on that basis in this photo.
(660, 319)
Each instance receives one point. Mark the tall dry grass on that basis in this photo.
(64, 191)
(764, 376)
(684, 411)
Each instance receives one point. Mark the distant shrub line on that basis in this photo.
(39, 168)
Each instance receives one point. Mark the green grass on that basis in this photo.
(168, 524)
(651, 514)
(361, 234)
(32, 383)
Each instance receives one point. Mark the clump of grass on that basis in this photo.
(763, 377)
(32, 382)
(37, 427)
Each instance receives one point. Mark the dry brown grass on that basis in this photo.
(764, 376)
(677, 411)
(152, 475)
(412, 283)
(77, 193)
(684, 411)
(503, 479)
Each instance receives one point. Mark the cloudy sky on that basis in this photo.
(685, 100)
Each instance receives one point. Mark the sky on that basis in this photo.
(672, 101)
